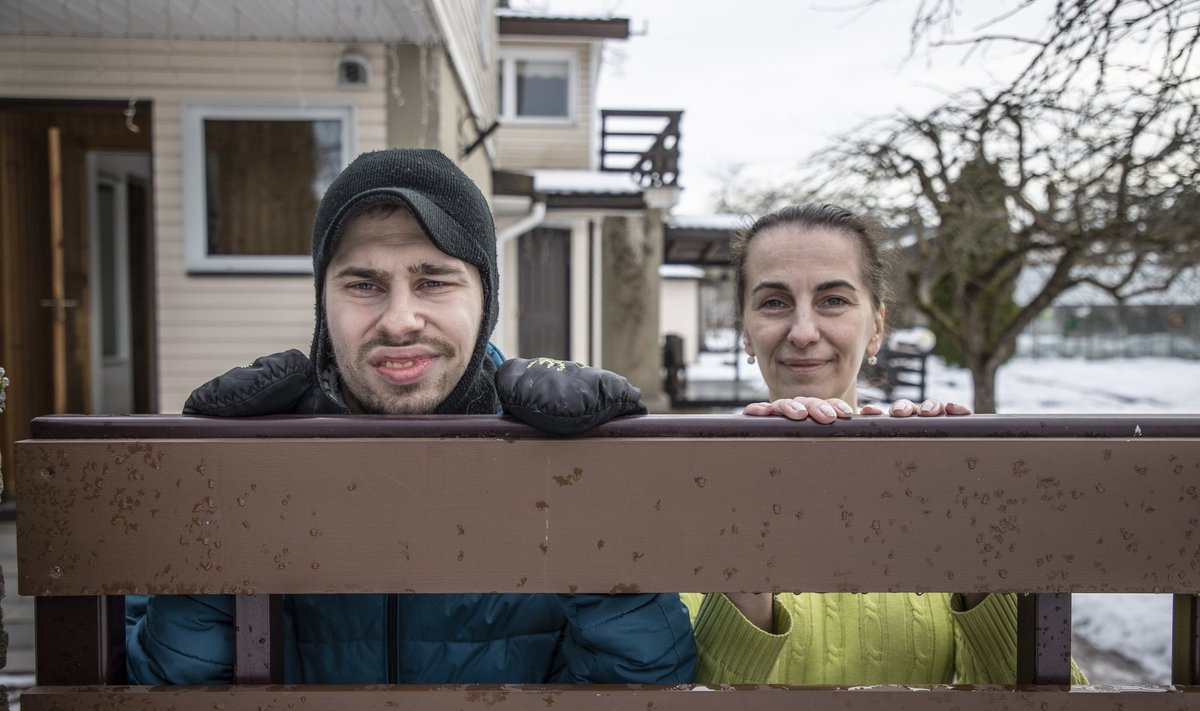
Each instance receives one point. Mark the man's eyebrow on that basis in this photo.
(435, 269)
(362, 273)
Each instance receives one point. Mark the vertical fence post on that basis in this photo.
(258, 651)
(1185, 640)
(80, 640)
(1044, 638)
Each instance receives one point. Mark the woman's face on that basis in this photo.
(808, 315)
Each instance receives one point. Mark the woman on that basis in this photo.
(811, 291)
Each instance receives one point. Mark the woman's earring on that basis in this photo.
(872, 360)
(750, 359)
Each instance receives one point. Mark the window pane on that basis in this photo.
(542, 88)
(263, 180)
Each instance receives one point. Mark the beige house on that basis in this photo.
(160, 162)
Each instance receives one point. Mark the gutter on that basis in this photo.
(537, 215)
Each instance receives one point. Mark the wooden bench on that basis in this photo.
(260, 507)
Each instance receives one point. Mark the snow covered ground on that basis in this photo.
(1119, 639)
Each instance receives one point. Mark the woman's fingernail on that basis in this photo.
(845, 408)
(828, 410)
(927, 406)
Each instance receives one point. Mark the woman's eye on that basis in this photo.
(837, 301)
(772, 303)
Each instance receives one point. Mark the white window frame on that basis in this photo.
(197, 260)
(508, 85)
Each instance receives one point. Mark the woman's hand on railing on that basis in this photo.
(928, 408)
(799, 408)
(826, 411)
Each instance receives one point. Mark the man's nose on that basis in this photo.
(804, 331)
(402, 315)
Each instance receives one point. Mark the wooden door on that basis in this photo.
(26, 350)
(544, 294)
(27, 299)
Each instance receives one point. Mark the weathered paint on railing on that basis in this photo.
(1045, 505)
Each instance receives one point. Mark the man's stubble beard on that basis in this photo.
(392, 399)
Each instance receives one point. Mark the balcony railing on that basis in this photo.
(642, 142)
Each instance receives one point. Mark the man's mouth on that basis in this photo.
(406, 371)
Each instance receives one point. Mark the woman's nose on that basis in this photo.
(804, 330)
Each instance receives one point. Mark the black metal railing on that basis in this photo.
(642, 142)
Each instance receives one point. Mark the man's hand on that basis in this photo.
(562, 397)
(271, 385)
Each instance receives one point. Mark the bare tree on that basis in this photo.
(1082, 44)
(1086, 162)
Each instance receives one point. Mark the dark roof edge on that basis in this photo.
(614, 28)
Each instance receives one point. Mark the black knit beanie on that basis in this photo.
(454, 215)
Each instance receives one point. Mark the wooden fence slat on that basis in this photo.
(1044, 639)
(248, 516)
(80, 640)
(1185, 640)
(597, 698)
(258, 640)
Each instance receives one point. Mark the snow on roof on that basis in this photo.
(584, 181)
(680, 271)
(534, 15)
(1184, 291)
(724, 221)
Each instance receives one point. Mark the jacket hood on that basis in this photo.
(454, 215)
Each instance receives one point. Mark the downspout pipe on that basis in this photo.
(537, 215)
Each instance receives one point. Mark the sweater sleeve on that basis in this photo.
(181, 639)
(985, 641)
(627, 639)
(732, 650)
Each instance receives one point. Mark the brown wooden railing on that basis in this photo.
(268, 506)
(642, 142)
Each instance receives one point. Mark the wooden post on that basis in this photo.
(80, 640)
(58, 301)
(258, 657)
(1044, 638)
(1185, 638)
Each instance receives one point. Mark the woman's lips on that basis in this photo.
(803, 366)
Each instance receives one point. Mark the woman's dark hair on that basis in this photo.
(867, 232)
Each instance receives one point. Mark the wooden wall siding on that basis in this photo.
(478, 58)
(551, 145)
(207, 324)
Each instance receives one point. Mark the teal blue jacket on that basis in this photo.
(438, 639)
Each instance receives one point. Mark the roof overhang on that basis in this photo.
(516, 24)
(361, 21)
(697, 246)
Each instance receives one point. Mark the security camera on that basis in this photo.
(353, 70)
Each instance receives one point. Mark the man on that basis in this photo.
(404, 262)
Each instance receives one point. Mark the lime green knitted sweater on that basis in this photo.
(855, 639)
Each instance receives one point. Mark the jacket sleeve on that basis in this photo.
(181, 639)
(985, 643)
(627, 639)
(732, 650)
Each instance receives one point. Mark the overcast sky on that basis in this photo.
(766, 82)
